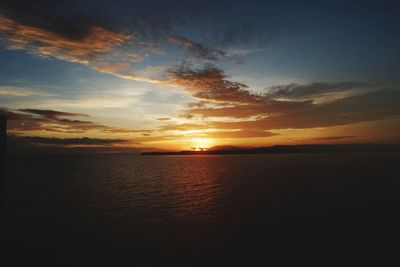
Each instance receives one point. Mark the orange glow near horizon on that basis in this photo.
(199, 144)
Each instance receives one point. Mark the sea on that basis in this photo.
(202, 210)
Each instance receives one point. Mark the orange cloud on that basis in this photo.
(240, 134)
(45, 43)
(112, 67)
(233, 109)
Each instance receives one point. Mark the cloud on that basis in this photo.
(196, 49)
(13, 91)
(163, 119)
(49, 121)
(84, 32)
(135, 56)
(82, 46)
(138, 78)
(33, 120)
(240, 134)
(210, 83)
(314, 90)
(65, 141)
(51, 114)
(38, 15)
(100, 34)
(263, 108)
(107, 68)
(228, 105)
(43, 145)
(333, 138)
(282, 107)
(373, 106)
(231, 110)
(46, 35)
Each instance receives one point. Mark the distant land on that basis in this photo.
(310, 148)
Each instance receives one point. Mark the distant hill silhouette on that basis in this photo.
(309, 148)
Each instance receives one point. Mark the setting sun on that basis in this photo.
(201, 144)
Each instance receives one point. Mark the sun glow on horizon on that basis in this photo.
(199, 144)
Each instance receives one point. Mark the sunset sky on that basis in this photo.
(178, 75)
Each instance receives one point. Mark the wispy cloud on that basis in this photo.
(196, 49)
(318, 90)
(12, 91)
(51, 114)
(109, 68)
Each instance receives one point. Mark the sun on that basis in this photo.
(199, 144)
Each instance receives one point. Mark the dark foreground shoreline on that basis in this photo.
(312, 148)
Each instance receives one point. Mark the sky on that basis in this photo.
(177, 75)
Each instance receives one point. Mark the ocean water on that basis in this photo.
(111, 210)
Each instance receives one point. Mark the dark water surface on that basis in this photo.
(202, 210)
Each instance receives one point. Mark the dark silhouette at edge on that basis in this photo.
(3, 138)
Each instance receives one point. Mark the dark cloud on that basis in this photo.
(333, 138)
(39, 14)
(297, 91)
(33, 145)
(196, 49)
(11, 115)
(65, 141)
(51, 114)
(46, 120)
(156, 21)
(150, 20)
(211, 83)
(27, 120)
(266, 107)
(164, 119)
